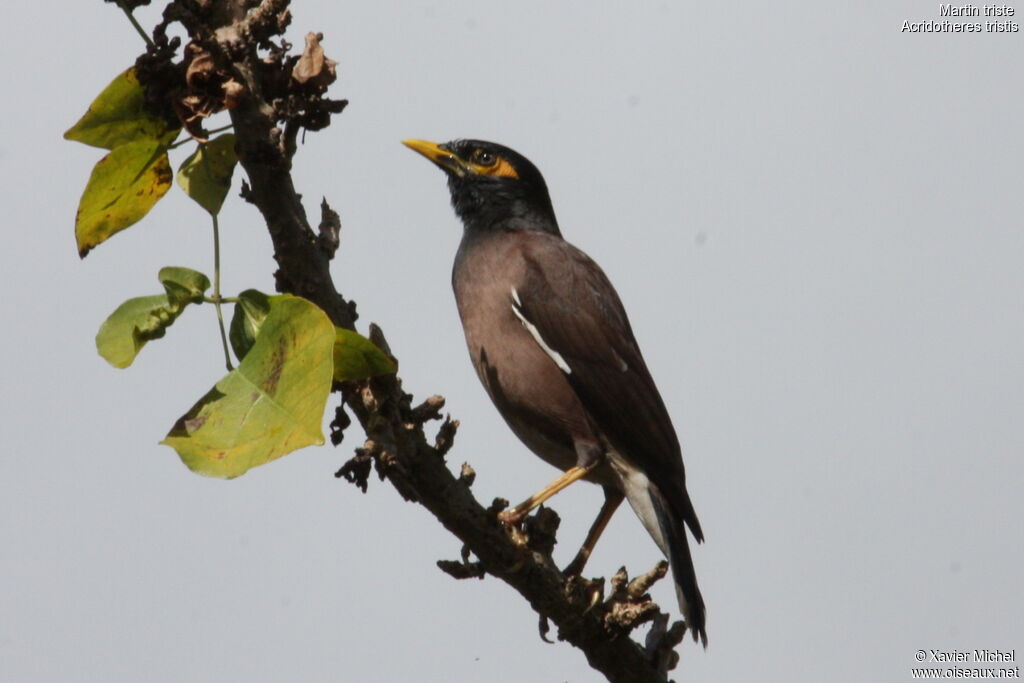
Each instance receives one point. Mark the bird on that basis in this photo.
(551, 343)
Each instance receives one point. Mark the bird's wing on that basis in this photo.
(574, 313)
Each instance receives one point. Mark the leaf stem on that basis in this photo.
(135, 23)
(217, 299)
(188, 139)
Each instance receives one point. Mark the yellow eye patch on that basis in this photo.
(501, 168)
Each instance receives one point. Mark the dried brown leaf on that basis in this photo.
(208, 90)
(314, 68)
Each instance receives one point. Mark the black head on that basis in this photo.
(492, 186)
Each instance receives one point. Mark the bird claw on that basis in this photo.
(512, 518)
(544, 627)
(592, 590)
(596, 590)
(513, 523)
(516, 533)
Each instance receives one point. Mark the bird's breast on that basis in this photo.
(527, 387)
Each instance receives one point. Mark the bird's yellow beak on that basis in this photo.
(430, 150)
(438, 154)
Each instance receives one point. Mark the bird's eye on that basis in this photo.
(484, 158)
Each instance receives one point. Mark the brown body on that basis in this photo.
(552, 423)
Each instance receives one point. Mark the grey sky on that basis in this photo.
(815, 224)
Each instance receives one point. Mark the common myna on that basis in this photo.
(553, 347)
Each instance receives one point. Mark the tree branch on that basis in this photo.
(272, 105)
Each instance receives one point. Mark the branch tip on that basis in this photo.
(467, 475)
(462, 570)
(329, 236)
(430, 409)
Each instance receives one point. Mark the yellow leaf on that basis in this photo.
(118, 116)
(123, 187)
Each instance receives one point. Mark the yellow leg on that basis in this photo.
(612, 500)
(516, 514)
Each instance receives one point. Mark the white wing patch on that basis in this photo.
(552, 354)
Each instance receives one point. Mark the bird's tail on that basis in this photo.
(669, 532)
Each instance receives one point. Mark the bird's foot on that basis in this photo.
(513, 517)
(516, 533)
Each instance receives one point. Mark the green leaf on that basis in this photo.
(119, 116)
(250, 312)
(183, 285)
(271, 404)
(128, 328)
(144, 318)
(206, 175)
(123, 187)
(356, 357)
